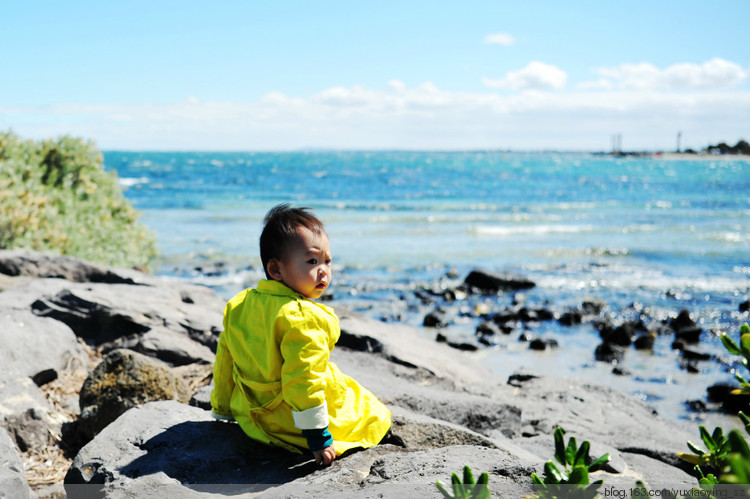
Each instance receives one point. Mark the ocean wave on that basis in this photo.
(504, 231)
(127, 182)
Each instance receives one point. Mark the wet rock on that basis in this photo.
(744, 306)
(730, 402)
(689, 334)
(490, 282)
(644, 342)
(124, 379)
(593, 306)
(571, 318)
(608, 352)
(696, 405)
(685, 328)
(694, 354)
(542, 343)
(620, 371)
(435, 319)
(623, 334)
(13, 481)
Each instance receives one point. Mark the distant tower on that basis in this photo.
(679, 139)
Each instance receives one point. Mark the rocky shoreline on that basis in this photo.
(106, 382)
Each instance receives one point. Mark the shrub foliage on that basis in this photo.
(56, 197)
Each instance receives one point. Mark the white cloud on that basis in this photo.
(713, 74)
(536, 75)
(504, 39)
(400, 116)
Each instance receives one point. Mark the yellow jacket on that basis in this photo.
(272, 373)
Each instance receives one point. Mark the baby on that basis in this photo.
(272, 372)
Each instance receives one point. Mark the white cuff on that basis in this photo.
(220, 417)
(311, 419)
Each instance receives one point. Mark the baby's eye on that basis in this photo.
(313, 261)
(328, 261)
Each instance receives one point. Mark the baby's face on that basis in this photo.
(306, 266)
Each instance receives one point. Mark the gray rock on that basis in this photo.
(13, 483)
(36, 264)
(37, 347)
(25, 413)
(123, 380)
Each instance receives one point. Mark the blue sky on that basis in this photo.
(168, 75)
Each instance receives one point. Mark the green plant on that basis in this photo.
(576, 465)
(56, 197)
(715, 456)
(468, 489)
(743, 349)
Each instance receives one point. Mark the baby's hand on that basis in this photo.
(325, 456)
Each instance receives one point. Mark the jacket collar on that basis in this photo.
(277, 288)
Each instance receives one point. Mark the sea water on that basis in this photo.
(644, 234)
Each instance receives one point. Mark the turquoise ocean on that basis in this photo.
(649, 236)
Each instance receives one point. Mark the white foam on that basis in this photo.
(131, 181)
(504, 231)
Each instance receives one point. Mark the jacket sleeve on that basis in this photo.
(305, 351)
(221, 395)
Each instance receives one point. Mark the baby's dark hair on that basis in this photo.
(280, 228)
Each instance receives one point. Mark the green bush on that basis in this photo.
(56, 197)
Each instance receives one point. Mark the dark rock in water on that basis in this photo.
(526, 336)
(518, 378)
(678, 345)
(124, 379)
(441, 338)
(493, 282)
(691, 366)
(685, 328)
(695, 355)
(466, 347)
(571, 318)
(435, 319)
(623, 334)
(535, 314)
(13, 482)
(682, 320)
(487, 328)
(696, 405)
(593, 306)
(745, 306)
(730, 402)
(690, 334)
(542, 343)
(644, 342)
(620, 371)
(607, 352)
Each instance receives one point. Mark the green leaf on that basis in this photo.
(570, 451)
(730, 345)
(442, 490)
(744, 329)
(468, 476)
(745, 345)
(579, 475)
(599, 463)
(535, 479)
(551, 473)
(582, 454)
(745, 420)
(458, 488)
(738, 444)
(718, 435)
(695, 448)
(706, 437)
(560, 445)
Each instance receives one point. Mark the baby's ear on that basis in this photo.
(273, 269)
